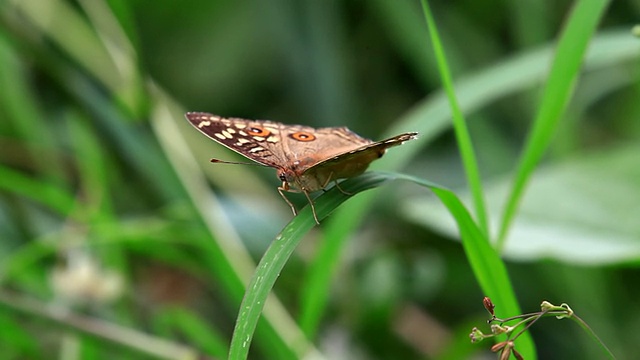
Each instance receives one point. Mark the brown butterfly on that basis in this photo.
(307, 159)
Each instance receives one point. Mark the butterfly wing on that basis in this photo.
(292, 147)
(306, 157)
(307, 146)
(353, 162)
(257, 140)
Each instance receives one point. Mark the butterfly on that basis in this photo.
(306, 159)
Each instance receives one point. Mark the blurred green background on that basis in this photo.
(118, 239)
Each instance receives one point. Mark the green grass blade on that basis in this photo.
(125, 337)
(487, 265)
(313, 295)
(43, 192)
(21, 109)
(92, 168)
(278, 253)
(557, 92)
(227, 257)
(430, 118)
(100, 48)
(194, 328)
(70, 31)
(18, 340)
(459, 124)
(488, 268)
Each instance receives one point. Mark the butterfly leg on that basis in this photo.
(326, 183)
(313, 208)
(285, 187)
(341, 190)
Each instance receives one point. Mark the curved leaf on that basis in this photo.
(487, 265)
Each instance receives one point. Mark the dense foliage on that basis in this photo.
(118, 238)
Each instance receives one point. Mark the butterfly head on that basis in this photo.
(297, 175)
(290, 177)
(282, 175)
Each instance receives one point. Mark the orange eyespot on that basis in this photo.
(258, 131)
(302, 136)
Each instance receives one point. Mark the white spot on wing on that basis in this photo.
(219, 136)
(226, 134)
(273, 139)
(256, 149)
(203, 124)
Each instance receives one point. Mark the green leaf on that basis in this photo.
(589, 222)
(278, 253)
(459, 124)
(41, 191)
(431, 118)
(487, 265)
(195, 329)
(563, 75)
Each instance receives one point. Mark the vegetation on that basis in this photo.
(119, 239)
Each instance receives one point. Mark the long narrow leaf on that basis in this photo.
(278, 253)
(43, 192)
(566, 65)
(507, 77)
(227, 255)
(459, 124)
(485, 262)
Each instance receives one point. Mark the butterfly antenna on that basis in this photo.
(218, 161)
